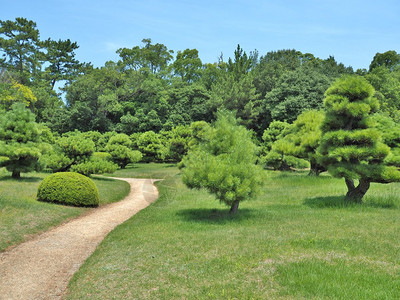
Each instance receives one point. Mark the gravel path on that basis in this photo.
(42, 267)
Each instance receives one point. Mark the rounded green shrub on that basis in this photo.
(68, 188)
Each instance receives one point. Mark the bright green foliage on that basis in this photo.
(178, 142)
(68, 188)
(74, 152)
(390, 131)
(280, 157)
(102, 142)
(94, 166)
(151, 145)
(304, 137)
(97, 138)
(224, 163)
(275, 131)
(15, 92)
(21, 145)
(119, 146)
(276, 151)
(102, 156)
(69, 150)
(199, 131)
(351, 147)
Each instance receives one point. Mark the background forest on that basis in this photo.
(150, 103)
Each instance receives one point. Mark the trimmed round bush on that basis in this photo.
(68, 188)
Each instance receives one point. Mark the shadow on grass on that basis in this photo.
(340, 202)
(326, 202)
(22, 179)
(215, 216)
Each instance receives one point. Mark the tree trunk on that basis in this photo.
(16, 174)
(315, 168)
(355, 194)
(284, 166)
(234, 207)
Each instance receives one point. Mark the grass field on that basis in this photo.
(22, 216)
(298, 240)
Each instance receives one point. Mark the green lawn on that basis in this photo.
(21, 215)
(298, 240)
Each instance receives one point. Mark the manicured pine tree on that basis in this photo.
(119, 146)
(351, 147)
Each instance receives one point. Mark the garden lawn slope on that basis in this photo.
(297, 240)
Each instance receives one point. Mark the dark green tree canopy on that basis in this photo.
(389, 59)
(297, 91)
(188, 65)
(151, 57)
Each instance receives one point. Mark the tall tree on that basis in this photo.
(19, 44)
(273, 65)
(389, 59)
(242, 63)
(61, 58)
(237, 94)
(187, 65)
(350, 147)
(151, 57)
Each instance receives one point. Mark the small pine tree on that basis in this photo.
(21, 144)
(350, 146)
(119, 146)
(223, 162)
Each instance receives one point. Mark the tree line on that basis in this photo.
(154, 105)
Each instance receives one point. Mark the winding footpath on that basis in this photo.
(42, 267)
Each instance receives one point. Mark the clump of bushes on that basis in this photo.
(68, 188)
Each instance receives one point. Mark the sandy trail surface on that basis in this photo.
(42, 267)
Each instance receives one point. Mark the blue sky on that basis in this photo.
(352, 31)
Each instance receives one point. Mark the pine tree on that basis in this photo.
(224, 163)
(351, 147)
(21, 143)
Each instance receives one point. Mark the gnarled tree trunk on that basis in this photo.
(355, 194)
(234, 207)
(16, 174)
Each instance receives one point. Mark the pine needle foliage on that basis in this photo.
(224, 163)
(351, 146)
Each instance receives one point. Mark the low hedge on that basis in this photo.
(68, 188)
